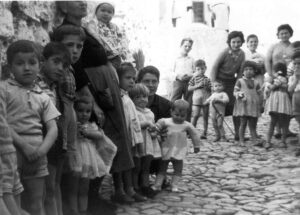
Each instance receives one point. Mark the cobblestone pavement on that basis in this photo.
(225, 179)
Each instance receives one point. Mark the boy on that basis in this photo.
(200, 85)
(56, 60)
(10, 185)
(218, 101)
(183, 69)
(28, 111)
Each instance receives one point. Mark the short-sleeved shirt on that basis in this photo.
(28, 110)
(184, 66)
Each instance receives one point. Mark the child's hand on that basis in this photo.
(29, 152)
(196, 150)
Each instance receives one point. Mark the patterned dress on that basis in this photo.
(92, 164)
(150, 146)
(279, 100)
(250, 105)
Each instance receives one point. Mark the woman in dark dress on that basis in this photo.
(94, 72)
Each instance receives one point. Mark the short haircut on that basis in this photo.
(296, 55)
(249, 63)
(285, 27)
(65, 30)
(180, 104)
(148, 69)
(280, 66)
(200, 63)
(186, 39)
(102, 3)
(21, 46)
(124, 68)
(55, 48)
(235, 34)
(252, 36)
(83, 100)
(219, 82)
(138, 90)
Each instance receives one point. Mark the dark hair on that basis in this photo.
(285, 27)
(148, 69)
(280, 66)
(99, 5)
(235, 34)
(124, 68)
(83, 100)
(21, 46)
(186, 39)
(180, 104)
(296, 55)
(61, 32)
(200, 63)
(138, 90)
(219, 82)
(296, 44)
(55, 48)
(249, 63)
(251, 36)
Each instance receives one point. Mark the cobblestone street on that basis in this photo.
(225, 179)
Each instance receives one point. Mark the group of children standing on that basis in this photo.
(276, 96)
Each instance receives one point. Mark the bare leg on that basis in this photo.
(215, 125)
(50, 200)
(252, 128)
(221, 128)
(273, 123)
(284, 123)
(3, 208)
(11, 204)
(243, 125)
(205, 110)
(83, 190)
(72, 192)
(33, 195)
(236, 124)
(195, 115)
(59, 171)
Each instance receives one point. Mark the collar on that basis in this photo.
(41, 77)
(35, 88)
(102, 24)
(123, 92)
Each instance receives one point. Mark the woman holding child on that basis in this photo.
(94, 73)
(227, 69)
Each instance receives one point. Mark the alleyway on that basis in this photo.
(225, 179)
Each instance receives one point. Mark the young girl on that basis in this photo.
(278, 104)
(88, 137)
(174, 147)
(150, 147)
(218, 101)
(294, 89)
(201, 87)
(109, 34)
(247, 103)
(127, 74)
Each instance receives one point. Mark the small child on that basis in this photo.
(278, 104)
(150, 147)
(201, 87)
(28, 111)
(56, 60)
(175, 146)
(294, 89)
(10, 185)
(218, 101)
(247, 103)
(109, 34)
(127, 74)
(89, 137)
(253, 55)
(184, 68)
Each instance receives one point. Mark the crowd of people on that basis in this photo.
(79, 110)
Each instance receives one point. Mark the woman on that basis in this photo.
(227, 69)
(94, 71)
(279, 52)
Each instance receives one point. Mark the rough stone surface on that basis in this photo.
(262, 183)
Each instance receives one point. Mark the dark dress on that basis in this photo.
(92, 69)
(161, 108)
